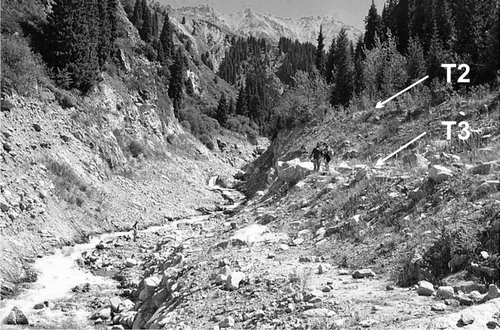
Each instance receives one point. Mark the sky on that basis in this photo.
(351, 12)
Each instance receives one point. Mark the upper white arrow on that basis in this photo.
(381, 104)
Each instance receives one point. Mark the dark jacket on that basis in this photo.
(316, 153)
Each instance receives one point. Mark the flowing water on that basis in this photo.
(58, 274)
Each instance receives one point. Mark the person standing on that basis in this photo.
(327, 153)
(316, 157)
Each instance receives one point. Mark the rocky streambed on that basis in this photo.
(83, 286)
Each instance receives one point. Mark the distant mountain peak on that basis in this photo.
(249, 22)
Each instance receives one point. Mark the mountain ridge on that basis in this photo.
(249, 22)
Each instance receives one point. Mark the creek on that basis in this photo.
(59, 273)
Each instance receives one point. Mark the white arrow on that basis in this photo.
(381, 161)
(381, 104)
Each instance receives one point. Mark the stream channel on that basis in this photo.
(59, 273)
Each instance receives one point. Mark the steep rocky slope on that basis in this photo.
(73, 165)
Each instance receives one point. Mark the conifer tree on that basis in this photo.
(344, 85)
(436, 55)
(416, 66)
(330, 62)
(231, 108)
(492, 68)
(108, 21)
(373, 27)
(394, 75)
(176, 87)
(445, 24)
(402, 20)
(241, 103)
(72, 41)
(222, 112)
(146, 31)
(155, 25)
(138, 14)
(358, 66)
(166, 45)
(320, 53)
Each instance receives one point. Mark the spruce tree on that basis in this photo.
(330, 63)
(155, 25)
(176, 87)
(108, 29)
(72, 36)
(436, 56)
(222, 112)
(138, 13)
(402, 20)
(373, 27)
(358, 66)
(241, 103)
(166, 45)
(344, 85)
(493, 61)
(320, 53)
(146, 31)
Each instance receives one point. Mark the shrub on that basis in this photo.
(136, 148)
(186, 125)
(68, 185)
(207, 141)
(455, 241)
(21, 68)
(391, 129)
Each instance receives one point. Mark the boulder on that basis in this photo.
(487, 187)
(220, 278)
(16, 316)
(362, 273)
(114, 303)
(227, 322)
(416, 160)
(255, 234)
(7, 146)
(225, 270)
(440, 173)
(319, 312)
(312, 295)
(438, 307)
(475, 296)
(445, 292)
(482, 169)
(234, 279)
(151, 283)
(129, 262)
(425, 288)
(160, 297)
(493, 292)
(343, 168)
(459, 284)
(6, 106)
(4, 206)
(293, 170)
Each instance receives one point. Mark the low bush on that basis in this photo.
(207, 141)
(136, 149)
(454, 241)
(68, 185)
